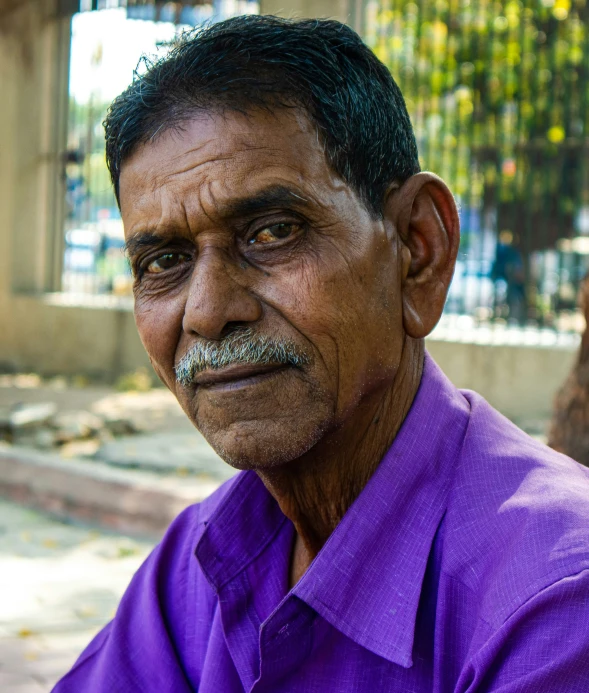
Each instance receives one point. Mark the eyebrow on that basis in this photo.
(140, 240)
(268, 198)
(273, 196)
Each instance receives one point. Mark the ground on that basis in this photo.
(62, 581)
(60, 584)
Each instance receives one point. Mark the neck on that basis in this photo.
(316, 490)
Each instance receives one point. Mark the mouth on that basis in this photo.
(237, 376)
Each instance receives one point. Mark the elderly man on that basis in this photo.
(387, 532)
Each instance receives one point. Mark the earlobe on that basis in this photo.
(426, 220)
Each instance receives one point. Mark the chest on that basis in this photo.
(305, 655)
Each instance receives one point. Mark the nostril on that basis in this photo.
(235, 326)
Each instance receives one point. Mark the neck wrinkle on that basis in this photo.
(315, 491)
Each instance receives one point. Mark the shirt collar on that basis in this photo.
(366, 581)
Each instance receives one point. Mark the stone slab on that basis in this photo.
(165, 452)
(132, 501)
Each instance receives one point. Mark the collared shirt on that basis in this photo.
(463, 566)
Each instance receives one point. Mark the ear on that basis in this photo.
(425, 217)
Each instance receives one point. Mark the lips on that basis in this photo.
(236, 373)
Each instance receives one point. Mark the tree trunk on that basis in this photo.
(569, 429)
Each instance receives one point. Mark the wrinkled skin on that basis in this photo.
(239, 220)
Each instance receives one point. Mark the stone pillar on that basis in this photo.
(34, 65)
(347, 11)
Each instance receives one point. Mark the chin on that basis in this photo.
(263, 446)
(265, 425)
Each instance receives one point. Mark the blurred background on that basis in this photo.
(498, 92)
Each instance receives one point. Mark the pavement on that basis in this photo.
(61, 583)
(77, 520)
(64, 571)
(132, 501)
(130, 483)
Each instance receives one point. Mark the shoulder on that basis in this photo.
(172, 564)
(518, 515)
(164, 606)
(171, 571)
(542, 646)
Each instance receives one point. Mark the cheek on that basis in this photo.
(160, 329)
(350, 311)
(350, 300)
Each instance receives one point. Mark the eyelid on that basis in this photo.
(255, 229)
(141, 264)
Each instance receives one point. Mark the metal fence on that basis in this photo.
(94, 262)
(498, 93)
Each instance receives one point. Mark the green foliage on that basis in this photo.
(498, 91)
(87, 149)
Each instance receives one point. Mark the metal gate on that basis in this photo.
(106, 46)
(498, 93)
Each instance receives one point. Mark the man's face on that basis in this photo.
(238, 221)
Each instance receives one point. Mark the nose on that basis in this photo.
(216, 298)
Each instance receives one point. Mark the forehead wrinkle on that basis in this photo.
(223, 202)
(242, 145)
(218, 198)
(194, 167)
(158, 215)
(206, 191)
(276, 157)
(193, 150)
(202, 186)
(237, 145)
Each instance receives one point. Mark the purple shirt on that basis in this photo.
(462, 566)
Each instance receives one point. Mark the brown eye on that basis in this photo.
(165, 262)
(271, 234)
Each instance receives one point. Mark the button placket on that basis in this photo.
(285, 642)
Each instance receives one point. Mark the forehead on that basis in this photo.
(213, 159)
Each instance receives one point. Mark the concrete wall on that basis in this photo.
(39, 333)
(342, 10)
(520, 381)
(49, 338)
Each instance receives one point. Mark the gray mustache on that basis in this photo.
(241, 346)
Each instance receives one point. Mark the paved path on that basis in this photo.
(60, 584)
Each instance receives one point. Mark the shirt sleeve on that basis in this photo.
(542, 647)
(139, 649)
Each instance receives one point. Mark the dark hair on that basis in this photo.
(321, 66)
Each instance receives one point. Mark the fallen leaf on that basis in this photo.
(87, 612)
